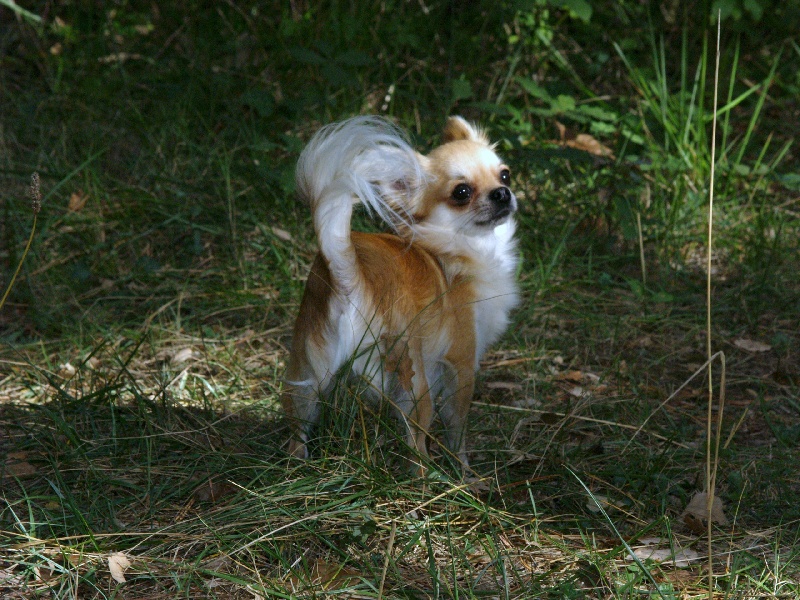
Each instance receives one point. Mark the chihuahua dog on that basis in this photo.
(411, 311)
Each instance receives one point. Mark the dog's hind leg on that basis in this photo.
(411, 396)
(301, 404)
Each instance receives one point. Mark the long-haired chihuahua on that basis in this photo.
(411, 311)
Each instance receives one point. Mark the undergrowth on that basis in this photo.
(144, 339)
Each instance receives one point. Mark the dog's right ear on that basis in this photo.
(458, 128)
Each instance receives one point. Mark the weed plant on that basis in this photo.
(143, 341)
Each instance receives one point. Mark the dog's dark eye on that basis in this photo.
(505, 177)
(462, 193)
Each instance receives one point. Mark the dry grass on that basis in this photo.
(169, 449)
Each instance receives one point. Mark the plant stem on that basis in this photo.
(21, 260)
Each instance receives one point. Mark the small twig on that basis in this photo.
(641, 247)
(389, 547)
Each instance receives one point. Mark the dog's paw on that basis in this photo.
(298, 449)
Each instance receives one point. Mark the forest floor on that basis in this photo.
(142, 445)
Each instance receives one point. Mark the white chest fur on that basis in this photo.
(496, 289)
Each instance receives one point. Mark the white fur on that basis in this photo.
(492, 268)
(364, 159)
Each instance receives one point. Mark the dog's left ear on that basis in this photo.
(459, 129)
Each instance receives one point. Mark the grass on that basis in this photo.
(144, 339)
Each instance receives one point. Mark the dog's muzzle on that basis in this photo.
(503, 202)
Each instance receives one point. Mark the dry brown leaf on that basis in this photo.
(281, 234)
(751, 345)
(576, 376)
(77, 200)
(118, 563)
(212, 491)
(181, 356)
(695, 525)
(16, 465)
(697, 511)
(680, 558)
(587, 143)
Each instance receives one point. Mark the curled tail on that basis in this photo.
(362, 160)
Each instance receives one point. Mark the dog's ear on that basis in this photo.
(457, 128)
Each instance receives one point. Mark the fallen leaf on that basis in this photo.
(281, 234)
(77, 200)
(118, 563)
(212, 491)
(576, 376)
(697, 511)
(181, 356)
(680, 557)
(751, 345)
(16, 465)
(587, 143)
(582, 141)
(576, 391)
(594, 500)
(66, 370)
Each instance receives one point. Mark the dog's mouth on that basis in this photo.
(498, 216)
(502, 214)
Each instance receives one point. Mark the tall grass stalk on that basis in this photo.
(711, 465)
(35, 194)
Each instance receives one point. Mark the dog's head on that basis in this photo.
(467, 189)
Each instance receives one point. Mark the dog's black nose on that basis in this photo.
(500, 196)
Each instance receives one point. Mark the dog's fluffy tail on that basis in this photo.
(362, 160)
